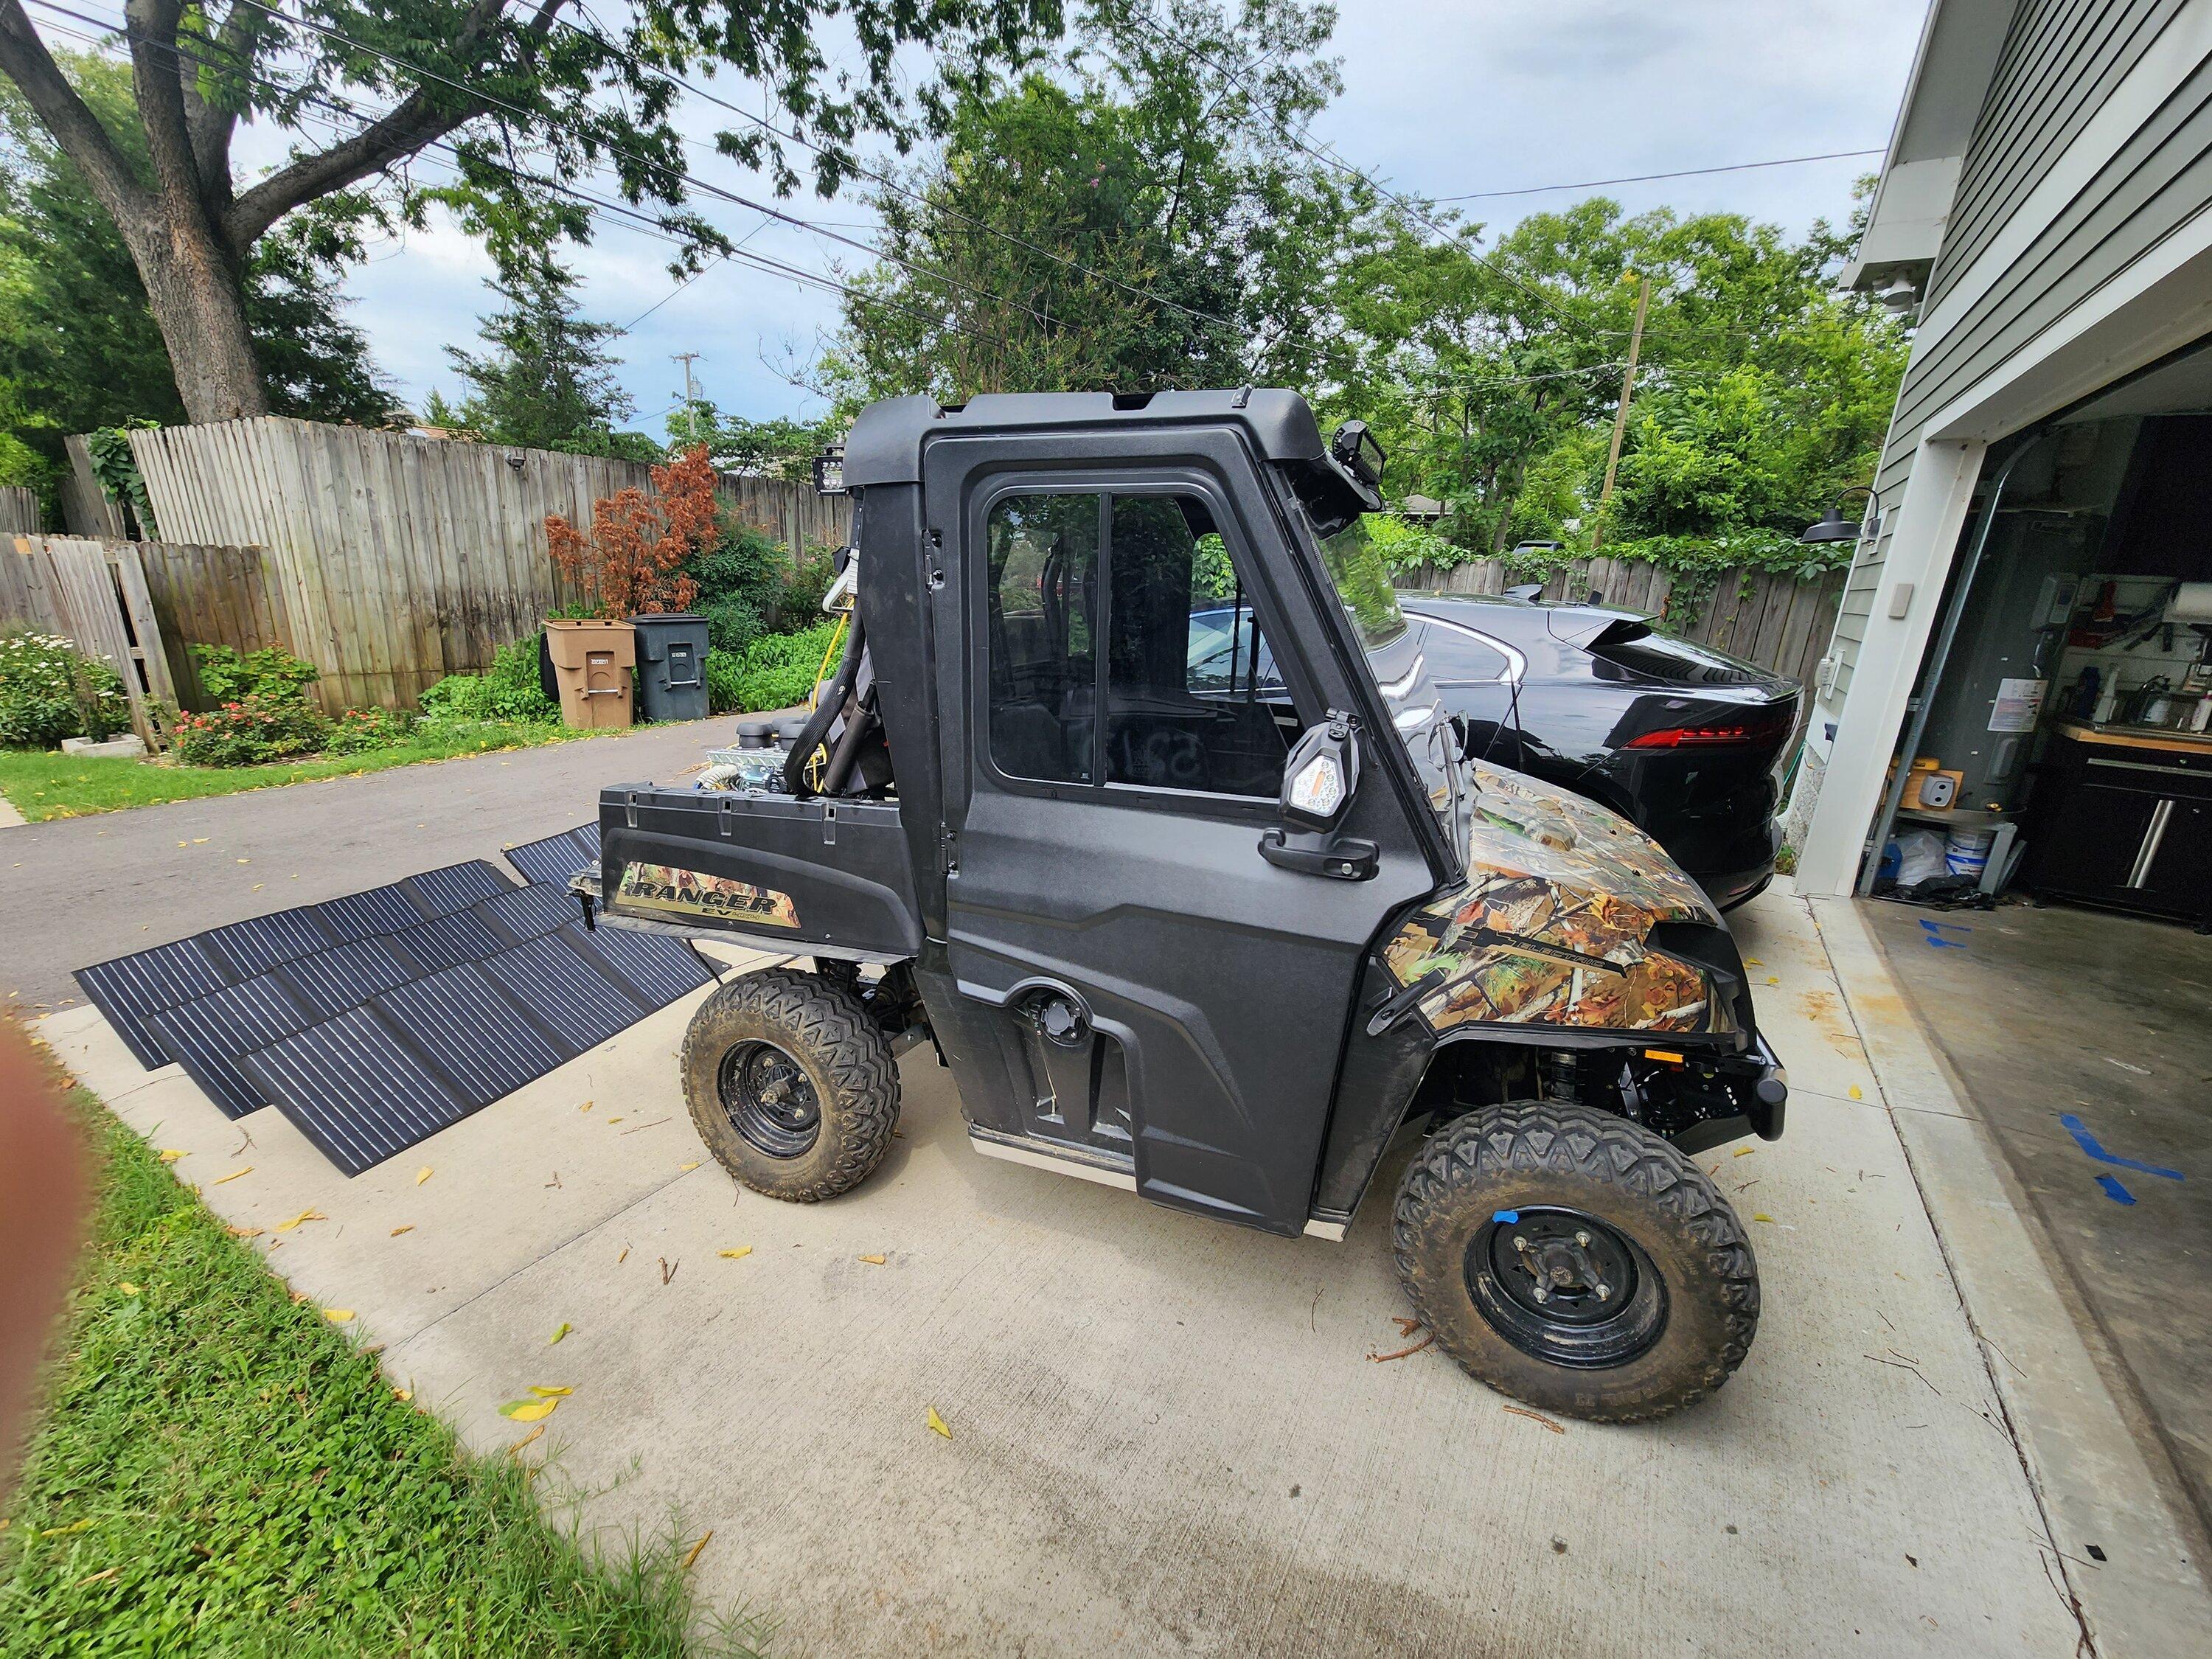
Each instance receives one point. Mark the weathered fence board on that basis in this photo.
(389, 560)
(1776, 621)
(87, 509)
(93, 593)
(19, 511)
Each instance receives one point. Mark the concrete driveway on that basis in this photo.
(1168, 1436)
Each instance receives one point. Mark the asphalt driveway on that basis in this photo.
(79, 891)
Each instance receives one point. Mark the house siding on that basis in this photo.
(2061, 61)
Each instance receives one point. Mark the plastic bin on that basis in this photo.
(671, 665)
(591, 660)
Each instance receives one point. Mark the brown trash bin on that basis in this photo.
(591, 660)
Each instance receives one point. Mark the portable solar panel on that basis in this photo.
(128, 988)
(260, 942)
(440, 943)
(659, 968)
(347, 975)
(580, 1006)
(556, 858)
(208, 1035)
(483, 1046)
(355, 1088)
(457, 886)
(532, 912)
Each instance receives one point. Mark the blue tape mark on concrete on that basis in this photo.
(2114, 1191)
(1943, 943)
(1955, 926)
(2089, 1144)
(1507, 1217)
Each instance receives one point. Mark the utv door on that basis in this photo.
(1142, 992)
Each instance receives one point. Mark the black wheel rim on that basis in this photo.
(1565, 1288)
(770, 1099)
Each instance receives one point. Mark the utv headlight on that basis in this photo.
(1318, 789)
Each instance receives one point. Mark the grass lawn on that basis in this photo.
(220, 1471)
(42, 785)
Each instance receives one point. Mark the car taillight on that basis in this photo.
(1710, 734)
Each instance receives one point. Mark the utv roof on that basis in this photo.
(884, 445)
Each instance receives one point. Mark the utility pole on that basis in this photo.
(692, 391)
(1620, 415)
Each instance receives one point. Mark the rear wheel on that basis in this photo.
(791, 1085)
(1575, 1261)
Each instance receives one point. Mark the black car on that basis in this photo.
(1683, 740)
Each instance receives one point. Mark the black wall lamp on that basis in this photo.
(1834, 527)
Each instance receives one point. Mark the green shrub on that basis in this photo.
(749, 587)
(251, 732)
(1406, 546)
(775, 672)
(271, 672)
(508, 690)
(359, 730)
(49, 692)
(733, 622)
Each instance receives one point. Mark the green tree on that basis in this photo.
(79, 345)
(776, 448)
(1154, 226)
(525, 94)
(547, 381)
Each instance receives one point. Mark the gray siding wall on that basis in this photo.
(2060, 63)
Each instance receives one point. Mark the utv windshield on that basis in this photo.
(1363, 583)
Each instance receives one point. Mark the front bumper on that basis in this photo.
(1758, 1082)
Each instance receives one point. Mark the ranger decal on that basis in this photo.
(692, 893)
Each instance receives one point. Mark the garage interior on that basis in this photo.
(2063, 772)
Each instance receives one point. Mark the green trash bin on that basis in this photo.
(671, 665)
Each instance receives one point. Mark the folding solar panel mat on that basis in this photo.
(256, 945)
(532, 912)
(347, 975)
(208, 1035)
(660, 967)
(556, 858)
(128, 988)
(457, 886)
(482, 1044)
(581, 1006)
(462, 937)
(379, 910)
(356, 1089)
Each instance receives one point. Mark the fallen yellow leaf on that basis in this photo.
(232, 1175)
(586, 1107)
(402, 1395)
(1743, 1151)
(1763, 1216)
(550, 1391)
(127, 1288)
(692, 1554)
(338, 1315)
(197, 841)
(937, 1424)
(528, 1411)
(516, 1450)
(245, 860)
(1854, 1093)
(742, 1251)
(1753, 961)
(614, 1119)
(243, 1232)
(875, 1260)
(421, 1174)
(687, 1167)
(1771, 980)
(301, 1219)
(409, 1228)
(565, 1328)
(171, 1155)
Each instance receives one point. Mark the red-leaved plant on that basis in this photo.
(631, 561)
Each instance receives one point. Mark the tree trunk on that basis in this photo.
(199, 299)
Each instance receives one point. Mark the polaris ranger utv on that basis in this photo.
(1132, 795)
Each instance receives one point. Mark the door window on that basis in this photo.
(1185, 677)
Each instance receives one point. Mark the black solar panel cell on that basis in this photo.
(379, 910)
(355, 1088)
(485, 1047)
(568, 997)
(449, 940)
(556, 858)
(457, 886)
(260, 942)
(531, 912)
(347, 975)
(659, 968)
(128, 988)
(208, 1035)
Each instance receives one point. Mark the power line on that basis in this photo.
(1649, 178)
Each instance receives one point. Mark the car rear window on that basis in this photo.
(1635, 646)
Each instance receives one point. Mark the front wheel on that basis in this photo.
(791, 1085)
(1575, 1261)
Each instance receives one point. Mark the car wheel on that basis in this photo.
(1575, 1261)
(791, 1085)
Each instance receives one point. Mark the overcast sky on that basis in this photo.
(1443, 97)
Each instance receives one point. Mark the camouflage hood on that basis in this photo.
(1551, 925)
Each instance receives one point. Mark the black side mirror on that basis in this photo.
(1321, 774)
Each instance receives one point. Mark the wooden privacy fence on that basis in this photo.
(95, 594)
(1779, 622)
(388, 561)
(19, 511)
